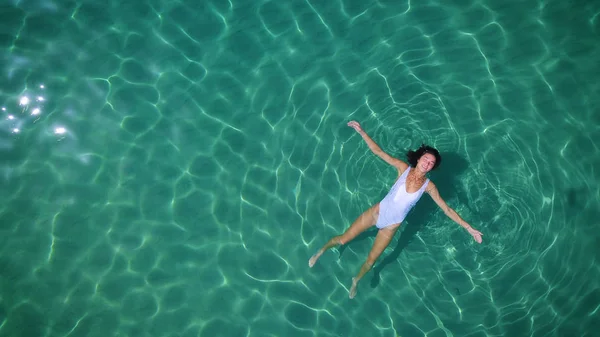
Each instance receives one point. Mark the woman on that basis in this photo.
(388, 214)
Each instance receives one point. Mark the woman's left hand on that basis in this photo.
(476, 234)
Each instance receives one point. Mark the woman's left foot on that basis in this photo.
(353, 289)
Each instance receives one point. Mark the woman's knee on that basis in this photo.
(348, 236)
(371, 258)
(342, 239)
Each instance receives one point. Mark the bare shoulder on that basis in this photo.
(431, 188)
(435, 195)
(400, 165)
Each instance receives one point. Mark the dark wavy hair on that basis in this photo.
(413, 156)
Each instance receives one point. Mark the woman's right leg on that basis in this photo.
(362, 223)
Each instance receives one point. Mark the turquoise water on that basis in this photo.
(176, 164)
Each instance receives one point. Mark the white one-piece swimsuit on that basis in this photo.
(397, 203)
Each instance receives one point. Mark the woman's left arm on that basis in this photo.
(435, 195)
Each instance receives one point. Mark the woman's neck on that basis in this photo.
(417, 173)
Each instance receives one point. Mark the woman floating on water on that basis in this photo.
(388, 214)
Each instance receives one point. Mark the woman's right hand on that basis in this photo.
(476, 234)
(355, 125)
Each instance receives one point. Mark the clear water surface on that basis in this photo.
(176, 163)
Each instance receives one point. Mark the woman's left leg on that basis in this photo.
(382, 240)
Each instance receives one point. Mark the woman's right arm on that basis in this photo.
(397, 163)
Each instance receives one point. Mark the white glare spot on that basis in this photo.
(15, 130)
(3, 109)
(42, 86)
(11, 117)
(40, 99)
(36, 111)
(24, 100)
(60, 131)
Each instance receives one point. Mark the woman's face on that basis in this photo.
(426, 162)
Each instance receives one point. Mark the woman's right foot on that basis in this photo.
(314, 259)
